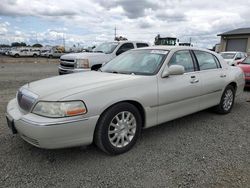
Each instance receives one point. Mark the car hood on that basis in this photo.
(58, 87)
(86, 55)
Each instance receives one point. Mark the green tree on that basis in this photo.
(37, 45)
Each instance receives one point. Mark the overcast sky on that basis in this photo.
(92, 21)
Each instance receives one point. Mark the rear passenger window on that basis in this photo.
(141, 45)
(183, 58)
(206, 60)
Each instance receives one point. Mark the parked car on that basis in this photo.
(44, 53)
(233, 58)
(138, 89)
(3, 51)
(78, 62)
(24, 53)
(245, 66)
(54, 54)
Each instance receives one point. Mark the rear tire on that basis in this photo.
(118, 128)
(227, 101)
(16, 55)
(35, 55)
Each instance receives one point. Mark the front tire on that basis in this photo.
(118, 128)
(227, 101)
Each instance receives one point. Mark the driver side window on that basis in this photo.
(125, 47)
(183, 58)
(238, 56)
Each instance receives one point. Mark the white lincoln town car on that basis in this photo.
(138, 89)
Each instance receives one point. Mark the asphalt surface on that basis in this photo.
(199, 150)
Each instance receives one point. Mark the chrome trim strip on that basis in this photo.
(52, 123)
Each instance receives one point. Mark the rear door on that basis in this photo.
(212, 77)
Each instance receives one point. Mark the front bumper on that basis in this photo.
(51, 133)
(63, 70)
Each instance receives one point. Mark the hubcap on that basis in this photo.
(122, 129)
(228, 100)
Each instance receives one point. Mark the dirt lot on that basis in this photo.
(200, 150)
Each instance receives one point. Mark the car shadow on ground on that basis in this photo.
(182, 127)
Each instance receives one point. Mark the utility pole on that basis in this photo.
(115, 33)
(64, 40)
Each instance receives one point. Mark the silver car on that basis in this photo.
(138, 89)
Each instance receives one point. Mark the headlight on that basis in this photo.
(60, 109)
(82, 63)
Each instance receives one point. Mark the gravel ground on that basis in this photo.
(199, 150)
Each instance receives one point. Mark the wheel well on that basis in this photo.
(96, 67)
(234, 85)
(136, 104)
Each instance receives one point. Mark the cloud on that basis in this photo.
(171, 15)
(34, 8)
(134, 9)
(93, 21)
(4, 28)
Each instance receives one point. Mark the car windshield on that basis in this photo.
(107, 47)
(228, 55)
(246, 61)
(141, 62)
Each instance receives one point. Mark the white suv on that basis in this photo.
(78, 62)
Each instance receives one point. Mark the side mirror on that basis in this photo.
(237, 58)
(173, 70)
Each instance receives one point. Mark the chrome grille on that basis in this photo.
(68, 60)
(67, 63)
(26, 99)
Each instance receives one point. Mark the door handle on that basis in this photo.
(223, 75)
(194, 81)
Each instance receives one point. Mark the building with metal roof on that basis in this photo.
(236, 40)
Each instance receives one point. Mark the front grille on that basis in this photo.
(68, 60)
(26, 99)
(67, 65)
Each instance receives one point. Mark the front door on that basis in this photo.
(179, 94)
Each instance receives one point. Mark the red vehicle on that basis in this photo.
(245, 66)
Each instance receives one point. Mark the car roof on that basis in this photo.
(232, 52)
(170, 48)
(125, 41)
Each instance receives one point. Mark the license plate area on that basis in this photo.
(11, 125)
